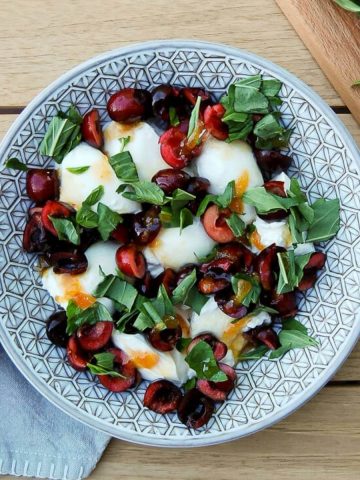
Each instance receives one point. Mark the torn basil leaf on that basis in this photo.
(15, 164)
(326, 222)
(222, 200)
(194, 117)
(237, 226)
(66, 229)
(154, 312)
(143, 192)
(108, 220)
(201, 359)
(173, 117)
(103, 364)
(181, 292)
(124, 167)
(246, 288)
(117, 290)
(78, 170)
(254, 354)
(76, 317)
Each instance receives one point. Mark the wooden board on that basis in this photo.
(333, 37)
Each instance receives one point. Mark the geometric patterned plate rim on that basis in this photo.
(267, 391)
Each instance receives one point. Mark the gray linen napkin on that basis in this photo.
(37, 439)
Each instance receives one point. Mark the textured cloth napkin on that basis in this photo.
(36, 438)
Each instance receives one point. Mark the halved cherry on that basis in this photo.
(272, 160)
(54, 209)
(171, 148)
(147, 286)
(56, 329)
(72, 262)
(238, 253)
(214, 221)
(222, 264)
(308, 280)
(284, 303)
(129, 105)
(121, 233)
(218, 391)
(165, 340)
(212, 283)
(42, 184)
(213, 123)
(195, 409)
(162, 396)
(219, 348)
(36, 239)
(125, 367)
(190, 95)
(91, 129)
(146, 225)
(226, 301)
(169, 179)
(265, 266)
(93, 337)
(131, 261)
(317, 261)
(77, 358)
(268, 337)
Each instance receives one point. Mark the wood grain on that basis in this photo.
(39, 40)
(333, 37)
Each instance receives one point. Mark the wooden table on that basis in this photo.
(41, 39)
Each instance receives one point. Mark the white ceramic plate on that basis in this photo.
(326, 164)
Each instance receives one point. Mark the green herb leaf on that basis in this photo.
(123, 142)
(270, 88)
(196, 300)
(201, 359)
(62, 135)
(270, 133)
(262, 200)
(104, 365)
(78, 170)
(248, 97)
(194, 117)
(66, 230)
(153, 312)
(108, 220)
(296, 339)
(350, 5)
(173, 117)
(254, 354)
(182, 344)
(118, 290)
(326, 221)
(263, 308)
(223, 200)
(279, 352)
(94, 197)
(76, 317)
(143, 192)
(15, 164)
(86, 217)
(181, 292)
(293, 324)
(186, 218)
(124, 167)
(191, 383)
(236, 225)
(254, 293)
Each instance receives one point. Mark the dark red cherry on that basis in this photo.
(91, 129)
(125, 367)
(77, 358)
(57, 210)
(56, 329)
(218, 391)
(162, 396)
(195, 409)
(219, 348)
(213, 123)
(94, 337)
(42, 184)
(129, 105)
(146, 225)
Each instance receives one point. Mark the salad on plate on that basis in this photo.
(174, 240)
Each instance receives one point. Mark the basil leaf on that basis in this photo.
(66, 230)
(350, 5)
(124, 167)
(117, 290)
(104, 365)
(263, 308)
(293, 324)
(181, 292)
(252, 296)
(269, 127)
(201, 359)
(15, 164)
(205, 203)
(194, 117)
(236, 225)
(76, 317)
(196, 300)
(225, 198)
(186, 219)
(240, 131)
(143, 192)
(182, 344)
(326, 221)
(123, 142)
(262, 200)
(62, 135)
(94, 197)
(207, 258)
(248, 97)
(191, 383)
(296, 339)
(279, 352)
(270, 88)
(287, 280)
(86, 217)
(108, 220)
(78, 170)
(254, 354)
(235, 117)
(173, 117)
(153, 312)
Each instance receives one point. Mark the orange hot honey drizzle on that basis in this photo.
(144, 359)
(255, 240)
(241, 184)
(73, 290)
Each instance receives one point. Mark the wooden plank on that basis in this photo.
(42, 42)
(333, 37)
(321, 441)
